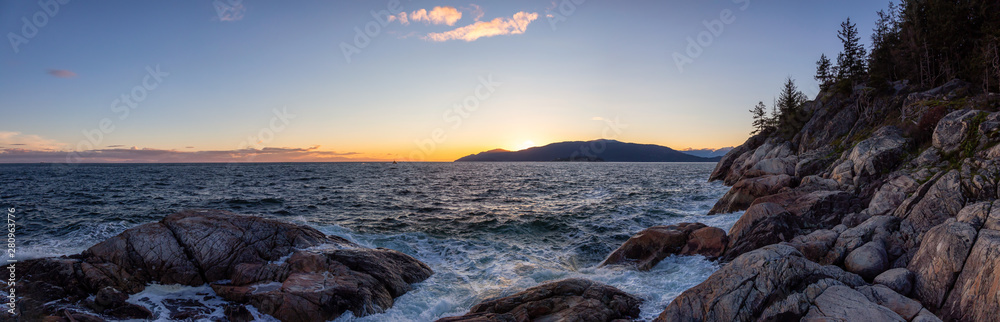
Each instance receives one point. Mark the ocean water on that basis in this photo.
(487, 229)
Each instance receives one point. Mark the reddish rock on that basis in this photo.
(651, 245)
(745, 191)
(566, 300)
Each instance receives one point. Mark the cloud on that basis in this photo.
(437, 16)
(147, 155)
(499, 26)
(29, 141)
(61, 73)
(597, 118)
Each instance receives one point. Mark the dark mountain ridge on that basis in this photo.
(592, 151)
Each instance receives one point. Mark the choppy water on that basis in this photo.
(487, 229)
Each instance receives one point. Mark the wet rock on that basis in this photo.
(939, 259)
(238, 313)
(652, 245)
(761, 225)
(565, 300)
(868, 261)
(775, 280)
(952, 130)
(744, 192)
(897, 279)
(198, 246)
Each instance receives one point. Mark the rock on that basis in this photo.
(815, 245)
(926, 316)
(841, 303)
(868, 261)
(892, 194)
(952, 130)
(875, 228)
(843, 173)
(323, 276)
(565, 300)
(238, 313)
(710, 242)
(817, 209)
(777, 166)
(775, 280)
(651, 245)
(818, 183)
(974, 296)
(936, 200)
(813, 162)
(761, 225)
(877, 154)
(906, 308)
(725, 165)
(897, 279)
(744, 192)
(975, 214)
(929, 158)
(939, 259)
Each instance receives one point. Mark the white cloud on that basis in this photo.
(515, 25)
(18, 140)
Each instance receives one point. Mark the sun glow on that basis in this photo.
(525, 145)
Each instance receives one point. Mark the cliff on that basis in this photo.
(879, 208)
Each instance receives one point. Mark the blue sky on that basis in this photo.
(224, 77)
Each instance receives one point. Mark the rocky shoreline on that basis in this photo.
(853, 218)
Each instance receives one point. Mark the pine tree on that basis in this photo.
(790, 102)
(851, 61)
(760, 121)
(824, 72)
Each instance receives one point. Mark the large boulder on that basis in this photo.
(939, 260)
(744, 192)
(817, 209)
(761, 225)
(954, 129)
(771, 283)
(842, 303)
(652, 245)
(869, 260)
(565, 300)
(242, 257)
(897, 279)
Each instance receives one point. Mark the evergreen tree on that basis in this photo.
(851, 61)
(790, 101)
(824, 72)
(760, 121)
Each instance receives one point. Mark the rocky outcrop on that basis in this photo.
(954, 129)
(872, 157)
(652, 245)
(745, 191)
(565, 300)
(244, 259)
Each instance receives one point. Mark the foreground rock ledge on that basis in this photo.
(566, 300)
(291, 272)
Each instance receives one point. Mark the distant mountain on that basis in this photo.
(708, 153)
(597, 150)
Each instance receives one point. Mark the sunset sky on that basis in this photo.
(276, 81)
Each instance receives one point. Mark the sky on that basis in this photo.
(244, 81)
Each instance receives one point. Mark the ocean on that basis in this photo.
(486, 229)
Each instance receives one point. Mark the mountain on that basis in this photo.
(707, 153)
(597, 150)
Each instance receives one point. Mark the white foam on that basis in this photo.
(154, 298)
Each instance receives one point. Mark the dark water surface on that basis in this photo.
(487, 229)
